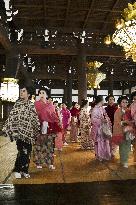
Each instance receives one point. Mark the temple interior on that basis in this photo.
(82, 52)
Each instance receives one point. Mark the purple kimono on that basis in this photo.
(102, 145)
(65, 118)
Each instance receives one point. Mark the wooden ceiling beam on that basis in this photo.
(107, 17)
(32, 6)
(44, 7)
(44, 76)
(34, 50)
(88, 14)
(59, 19)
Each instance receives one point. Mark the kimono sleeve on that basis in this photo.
(117, 118)
(35, 122)
(10, 122)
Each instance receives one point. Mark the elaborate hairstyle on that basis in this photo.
(55, 102)
(133, 94)
(46, 90)
(107, 98)
(84, 102)
(123, 97)
(74, 103)
(98, 99)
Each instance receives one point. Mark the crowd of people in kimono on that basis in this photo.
(41, 127)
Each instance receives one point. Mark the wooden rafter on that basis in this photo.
(65, 15)
(88, 14)
(67, 12)
(32, 6)
(107, 17)
(44, 7)
(35, 50)
(60, 19)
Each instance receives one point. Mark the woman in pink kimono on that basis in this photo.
(102, 144)
(74, 122)
(65, 121)
(44, 149)
(58, 139)
(133, 115)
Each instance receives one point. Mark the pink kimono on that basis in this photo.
(133, 112)
(43, 149)
(65, 121)
(58, 139)
(102, 145)
(65, 117)
(133, 115)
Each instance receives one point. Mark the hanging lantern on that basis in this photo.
(94, 76)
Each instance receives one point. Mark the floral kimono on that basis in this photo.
(85, 126)
(44, 149)
(22, 126)
(102, 144)
(119, 137)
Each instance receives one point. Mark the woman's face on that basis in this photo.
(42, 94)
(124, 103)
(76, 105)
(64, 106)
(111, 100)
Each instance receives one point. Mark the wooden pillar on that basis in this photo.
(123, 88)
(64, 99)
(95, 92)
(110, 86)
(82, 76)
(69, 88)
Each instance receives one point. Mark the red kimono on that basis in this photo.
(44, 147)
(110, 110)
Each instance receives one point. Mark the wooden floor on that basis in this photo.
(93, 193)
(72, 165)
